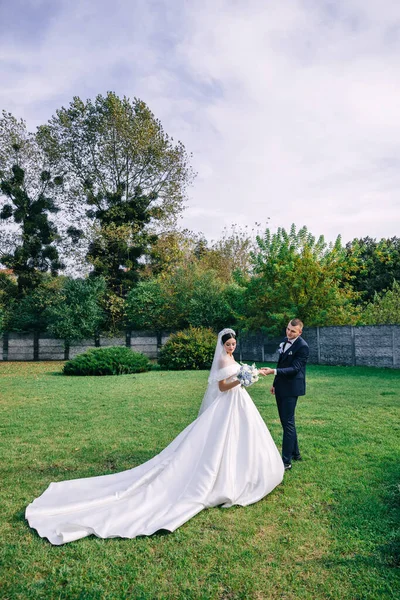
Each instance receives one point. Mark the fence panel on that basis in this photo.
(20, 346)
(50, 348)
(374, 346)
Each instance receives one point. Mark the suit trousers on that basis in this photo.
(286, 408)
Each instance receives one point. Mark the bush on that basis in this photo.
(107, 361)
(192, 348)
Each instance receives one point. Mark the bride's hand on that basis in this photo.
(224, 386)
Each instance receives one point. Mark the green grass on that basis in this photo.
(329, 531)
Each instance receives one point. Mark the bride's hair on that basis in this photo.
(227, 336)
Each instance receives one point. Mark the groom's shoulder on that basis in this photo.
(303, 342)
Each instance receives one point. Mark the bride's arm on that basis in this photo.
(224, 387)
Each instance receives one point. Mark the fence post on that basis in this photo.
(128, 339)
(5, 345)
(159, 341)
(35, 345)
(353, 346)
(318, 347)
(393, 349)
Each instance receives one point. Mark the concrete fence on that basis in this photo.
(39, 346)
(373, 346)
(370, 346)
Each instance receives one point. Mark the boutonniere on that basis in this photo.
(280, 349)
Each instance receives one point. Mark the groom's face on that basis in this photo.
(293, 331)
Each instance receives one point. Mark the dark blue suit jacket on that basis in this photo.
(290, 379)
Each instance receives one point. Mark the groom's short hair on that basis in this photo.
(297, 323)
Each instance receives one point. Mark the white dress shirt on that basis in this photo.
(286, 346)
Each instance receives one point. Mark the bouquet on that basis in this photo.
(248, 374)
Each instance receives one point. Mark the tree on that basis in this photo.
(188, 296)
(209, 304)
(172, 249)
(120, 240)
(28, 188)
(147, 307)
(8, 295)
(384, 309)
(77, 313)
(230, 256)
(28, 313)
(296, 275)
(379, 265)
(124, 172)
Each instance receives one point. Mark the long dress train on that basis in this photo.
(226, 456)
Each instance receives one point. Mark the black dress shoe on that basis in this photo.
(297, 457)
(287, 466)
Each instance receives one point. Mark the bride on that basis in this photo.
(226, 456)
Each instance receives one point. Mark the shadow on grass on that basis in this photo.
(91, 465)
(118, 463)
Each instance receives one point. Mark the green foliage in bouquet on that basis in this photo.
(107, 361)
(192, 348)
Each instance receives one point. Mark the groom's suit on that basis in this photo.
(289, 384)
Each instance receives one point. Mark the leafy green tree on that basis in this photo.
(8, 295)
(27, 189)
(123, 175)
(175, 300)
(296, 274)
(379, 265)
(28, 313)
(77, 313)
(114, 312)
(147, 307)
(209, 303)
(384, 309)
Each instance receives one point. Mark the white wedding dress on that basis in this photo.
(226, 456)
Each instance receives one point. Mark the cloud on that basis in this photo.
(290, 109)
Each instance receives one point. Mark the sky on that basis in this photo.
(291, 110)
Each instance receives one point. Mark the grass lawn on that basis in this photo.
(329, 531)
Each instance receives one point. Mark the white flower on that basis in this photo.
(248, 374)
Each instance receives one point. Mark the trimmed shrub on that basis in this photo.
(116, 360)
(192, 348)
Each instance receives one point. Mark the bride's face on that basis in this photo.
(230, 346)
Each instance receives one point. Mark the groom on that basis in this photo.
(288, 385)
